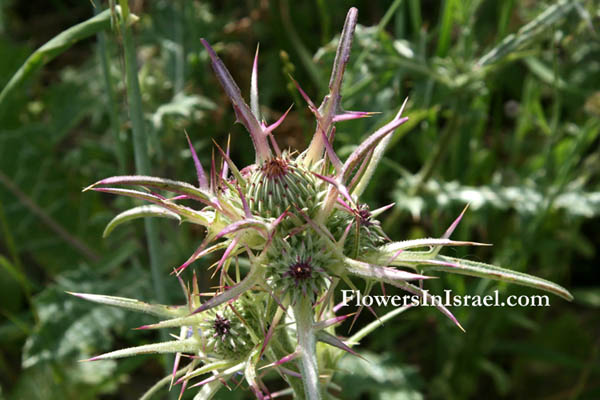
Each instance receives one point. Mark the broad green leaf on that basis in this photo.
(70, 328)
(378, 377)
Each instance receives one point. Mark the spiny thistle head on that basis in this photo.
(298, 220)
(363, 231)
(226, 333)
(296, 267)
(279, 184)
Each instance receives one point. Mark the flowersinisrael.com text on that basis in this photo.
(356, 298)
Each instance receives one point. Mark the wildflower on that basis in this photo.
(298, 219)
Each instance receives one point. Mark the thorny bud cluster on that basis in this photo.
(298, 221)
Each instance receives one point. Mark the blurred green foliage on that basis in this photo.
(505, 115)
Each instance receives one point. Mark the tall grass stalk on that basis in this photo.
(140, 147)
(112, 109)
(178, 9)
(142, 160)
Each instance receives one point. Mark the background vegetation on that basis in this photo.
(504, 113)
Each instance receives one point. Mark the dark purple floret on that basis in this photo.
(300, 271)
(221, 326)
(275, 168)
(365, 216)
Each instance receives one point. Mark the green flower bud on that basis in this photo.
(297, 266)
(279, 184)
(365, 233)
(226, 332)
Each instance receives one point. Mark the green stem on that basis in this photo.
(303, 52)
(51, 49)
(14, 266)
(178, 54)
(281, 347)
(414, 8)
(142, 161)
(307, 346)
(113, 113)
(438, 156)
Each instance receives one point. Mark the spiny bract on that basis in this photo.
(298, 220)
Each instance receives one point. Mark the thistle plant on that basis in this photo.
(297, 221)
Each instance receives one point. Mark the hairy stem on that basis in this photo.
(281, 347)
(307, 346)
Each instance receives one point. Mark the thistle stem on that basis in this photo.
(307, 345)
(281, 348)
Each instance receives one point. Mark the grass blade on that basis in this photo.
(527, 33)
(56, 46)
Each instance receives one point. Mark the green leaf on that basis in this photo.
(190, 214)
(190, 345)
(528, 32)
(482, 270)
(380, 377)
(139, 212)
(70, 328)
(155, 182)
(136, 305)
(523, 199)
(181, 105)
